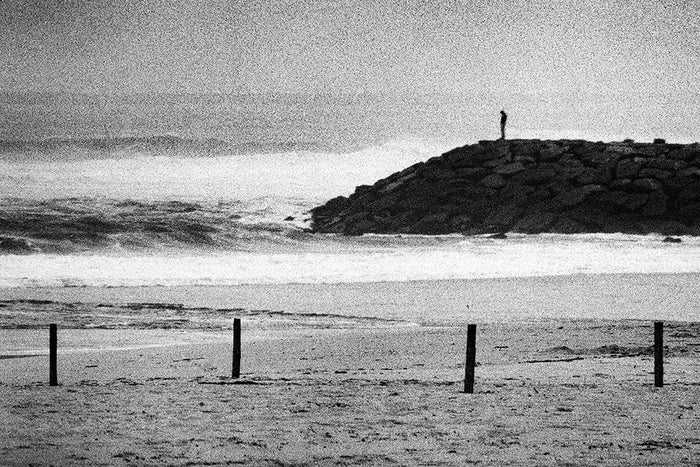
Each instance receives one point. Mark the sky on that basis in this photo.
(352, 46)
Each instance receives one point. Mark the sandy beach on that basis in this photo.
(150, 384)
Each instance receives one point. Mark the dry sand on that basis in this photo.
(549, 392)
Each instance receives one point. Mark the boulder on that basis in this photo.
(504, 216)
(389, 187)
(685, 154)
(493, 181)
(647, 184)
(628, 168)
(654, 173)
(472, 173)
(621, 199)
(587, 176)
(656, 205)
(537, 222)
(619, 149)
(689, 194)
(577, 195)
(671, 165)
(604, 173)
(568, 226)
(550, 152)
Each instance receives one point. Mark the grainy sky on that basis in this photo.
(464, 46)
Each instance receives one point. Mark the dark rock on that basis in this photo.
(334, 204)
(628, 168)
(671, 165)
(289, 218)
(525, 160)
(624, 184)
(498, 236)
(689, 172)
(472, 173)
(587, 176)
(604, 173)
(689, 194)
(688, 213)
(439, 173)
(672, 240)
(550, 153)
(659, 141)
(529, 150)
(574, 172)
(430, 225)
(493, 181)
(654, 173)
(673, 185)
(535, 223)
(568, 226)
(539, 174)
(685, 154)
(616, 148)
(505, 216)
(461, 223)
(596, 159)
(559, 186)
(621, 199)
(396, 183)
(530, 186)
(491, 152)
(656, 206)
(512, 189)
(671, 228)
(647, 184)
(577, 195)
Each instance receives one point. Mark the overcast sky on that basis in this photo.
(467, 46)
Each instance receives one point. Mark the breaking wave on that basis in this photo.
(76, 225)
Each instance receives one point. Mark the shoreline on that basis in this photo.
(668, 296)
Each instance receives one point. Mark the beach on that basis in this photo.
(144, 378)
(348, 190)
(143, 247)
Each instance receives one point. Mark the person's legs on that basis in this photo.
(503, 131)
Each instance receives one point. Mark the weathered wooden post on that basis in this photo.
(53, 345)
(659, 354)
(471, 359)
(236, 367)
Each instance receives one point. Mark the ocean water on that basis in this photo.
(195, 190)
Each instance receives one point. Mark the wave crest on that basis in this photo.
(77, 225)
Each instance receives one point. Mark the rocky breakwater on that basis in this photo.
(530, 186)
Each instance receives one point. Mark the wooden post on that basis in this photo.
(659, 354)
(53, 345)
(236, 367)
(471, 359)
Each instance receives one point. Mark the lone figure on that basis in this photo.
(504, 117)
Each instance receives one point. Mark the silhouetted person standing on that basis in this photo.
(504, 117)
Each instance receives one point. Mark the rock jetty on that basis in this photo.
(530, 186)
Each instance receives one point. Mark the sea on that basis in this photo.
(158, 190)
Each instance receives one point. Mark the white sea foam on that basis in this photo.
(257, 189)
(359, 260)
(309, 176)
